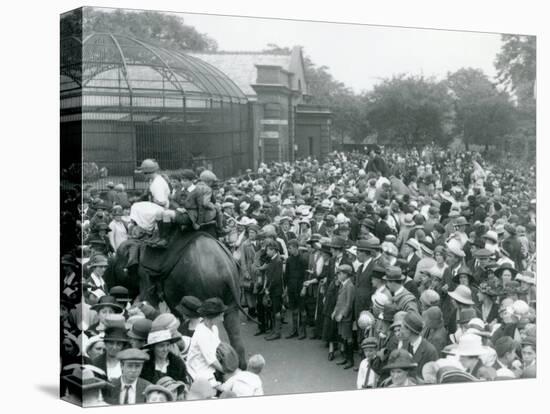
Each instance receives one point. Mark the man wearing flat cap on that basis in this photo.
(129, 388)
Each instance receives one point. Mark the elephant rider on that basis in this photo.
(154, 209)
(200, 208)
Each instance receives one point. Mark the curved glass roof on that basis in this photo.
(114, 64)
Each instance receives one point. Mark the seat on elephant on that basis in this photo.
(159, 262)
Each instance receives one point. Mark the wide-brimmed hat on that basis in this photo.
(413, 322)
(408, 220)
(107, 301)
(212, 307)
(337, 242)
(164, 321)
(394, 274)
(470, 344)
(189, 306)
(463, 270)
(140, 329)
(158, 337)
(462, 294)
(506, 266)
(400, 359)
(315, 238)
(98, 260)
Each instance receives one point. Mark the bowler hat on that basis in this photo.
(462, 294)
(394, 274)
(212, 307)
(400, 359)
(413, 322)
(189, 306)
(115, 334)
(140, 329)
(120, 293)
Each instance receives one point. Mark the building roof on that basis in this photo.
(241, 66)
(106, 62)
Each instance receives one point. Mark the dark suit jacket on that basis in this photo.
(363, 288)
(344, 302)
(274, 276)
(425, 353)
(114, 394)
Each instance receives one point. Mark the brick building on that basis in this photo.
(284, 126)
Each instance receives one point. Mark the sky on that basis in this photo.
(358, 55)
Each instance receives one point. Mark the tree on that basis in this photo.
(482, 113)
(165, 30)
(516, 65)
(516, 68)
(409, 110)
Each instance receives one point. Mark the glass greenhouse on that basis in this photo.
(128, 100)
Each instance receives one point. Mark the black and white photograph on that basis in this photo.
(253, 206)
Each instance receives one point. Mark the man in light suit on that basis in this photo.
(343, 313)
(129, 388)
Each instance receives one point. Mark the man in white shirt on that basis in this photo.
(147, 213)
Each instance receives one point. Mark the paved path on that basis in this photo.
(294, 366)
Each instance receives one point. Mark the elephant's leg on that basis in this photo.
(232, 325)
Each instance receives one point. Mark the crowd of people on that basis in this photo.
(411, 266)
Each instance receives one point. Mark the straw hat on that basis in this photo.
(471, 345)
(157, 337)
(462, 294)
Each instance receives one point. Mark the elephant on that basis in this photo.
(203, 267)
